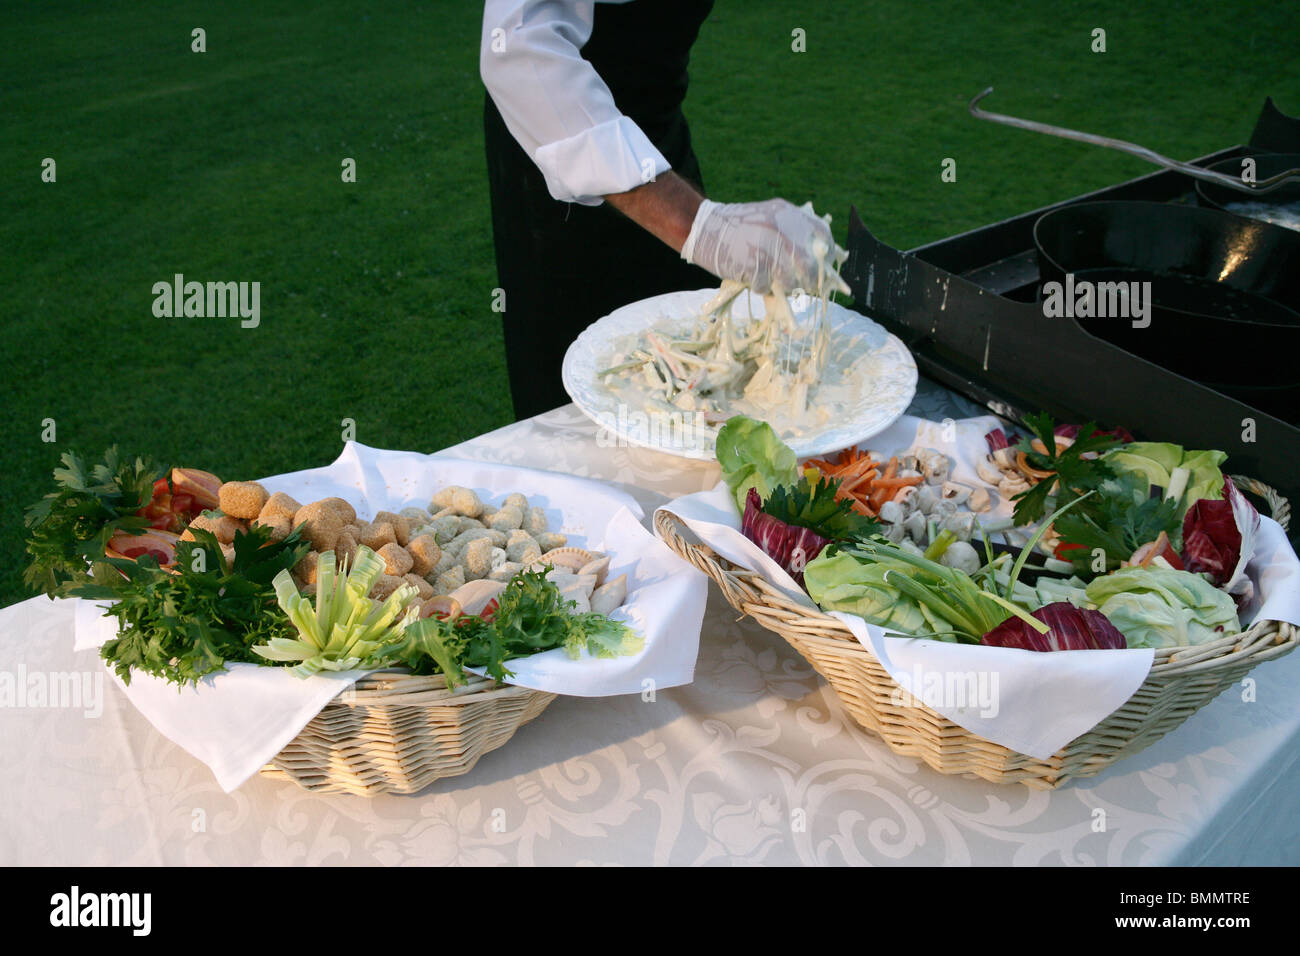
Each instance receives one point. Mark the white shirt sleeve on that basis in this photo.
(555, 103)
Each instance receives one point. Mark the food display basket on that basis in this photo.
(1180, 682)
(394, 732)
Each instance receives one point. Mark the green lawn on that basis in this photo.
(376, 295)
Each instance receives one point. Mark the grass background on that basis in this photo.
(376, 295)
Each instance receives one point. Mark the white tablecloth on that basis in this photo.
(756, 762)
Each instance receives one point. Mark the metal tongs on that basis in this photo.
(1197, 172)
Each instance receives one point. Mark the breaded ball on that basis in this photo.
(324, 524)
(305, 570)
(396, 559)
(551, 540)
(535, 521)
(463, 500)
(223, 526)
(424, 552)
(385, 585)
(520, 543)
(345, 510)
(449, 580)
(278, 504)
(422, 587)
(401, 526)
(478, 559)
(279, 525)
(445, 562)
(508, 518)
(375, 535)
(345, 548)
(242, 499)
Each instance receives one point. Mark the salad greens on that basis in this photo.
(185, 623)
(530, 616)
(71, 526)
(1122, 518)
(950, 602)
(1186, 476)
(1155, 607)
(753, 456)
(1078, 471)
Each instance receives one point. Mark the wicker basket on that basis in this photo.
(393, 732)
(1181, 679)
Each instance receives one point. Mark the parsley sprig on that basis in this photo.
(1122, 519)
(185, 623)
(72, 525)
(1077, 475)
(812, 504)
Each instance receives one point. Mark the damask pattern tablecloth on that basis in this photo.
(753, 763)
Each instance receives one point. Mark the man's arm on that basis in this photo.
(665, 207)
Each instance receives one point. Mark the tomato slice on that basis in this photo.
(183, 503)
(489, 610)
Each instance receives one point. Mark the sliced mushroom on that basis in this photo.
(936, 470)
(956, 492)
(988, 470)
(1012, 485)
(906, 496)
(979, 500)
(1005, 458)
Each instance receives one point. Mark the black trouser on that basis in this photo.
(565, 265)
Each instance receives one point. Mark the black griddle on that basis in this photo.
(967, 307)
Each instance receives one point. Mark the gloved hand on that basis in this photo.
(766, 244)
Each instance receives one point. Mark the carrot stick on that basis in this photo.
(896, 482)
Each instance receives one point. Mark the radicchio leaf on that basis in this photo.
(997, 439)
(789, 546)
(1219, 540)
(1072, 629)
(1072, 432)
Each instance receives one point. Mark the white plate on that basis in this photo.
(890, 365)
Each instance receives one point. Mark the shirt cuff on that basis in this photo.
(612, 157)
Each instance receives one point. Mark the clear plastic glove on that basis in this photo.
(767, 245)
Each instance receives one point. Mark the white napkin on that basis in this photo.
(238, 720)
(1276, 573)
(1031, 702)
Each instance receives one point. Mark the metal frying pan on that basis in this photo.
(1266, 164)
(1224, 290)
